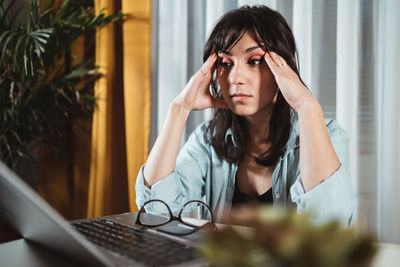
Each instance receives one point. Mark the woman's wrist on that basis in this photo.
(311, 114)
(310, 104)
(178, 109)
(179, 104)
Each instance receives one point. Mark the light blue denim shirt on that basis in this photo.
(201, 173)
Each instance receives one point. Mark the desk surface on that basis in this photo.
(24, 253)
(387, 255)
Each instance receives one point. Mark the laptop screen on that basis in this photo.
(25, 211)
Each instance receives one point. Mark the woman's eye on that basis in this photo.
(255, 61)
(225, 64)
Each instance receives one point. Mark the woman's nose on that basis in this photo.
(236, 75)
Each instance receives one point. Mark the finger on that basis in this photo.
(271, 63)
(280, 61)
(213, 62)
(215, 65)
(209, 64)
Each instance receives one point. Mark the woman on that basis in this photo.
(268, 140)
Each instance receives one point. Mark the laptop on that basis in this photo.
(105, 241)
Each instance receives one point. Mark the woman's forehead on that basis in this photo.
(245, 44)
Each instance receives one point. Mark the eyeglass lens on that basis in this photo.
(157, 213)
(193, 211)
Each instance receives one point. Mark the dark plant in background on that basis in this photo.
(40, 86)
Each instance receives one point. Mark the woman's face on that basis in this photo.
(247, 84)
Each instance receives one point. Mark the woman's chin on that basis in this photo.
(243, 110)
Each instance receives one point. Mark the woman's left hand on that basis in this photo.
(293, 90)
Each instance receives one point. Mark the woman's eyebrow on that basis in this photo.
(248, 50)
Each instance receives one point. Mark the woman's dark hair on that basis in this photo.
(271, 31)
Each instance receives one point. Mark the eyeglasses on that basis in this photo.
(156, 213)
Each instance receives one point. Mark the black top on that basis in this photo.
(241, 198)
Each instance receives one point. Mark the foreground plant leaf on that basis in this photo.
(277, 237)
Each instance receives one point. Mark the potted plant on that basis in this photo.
(272, 236)
(41, 86)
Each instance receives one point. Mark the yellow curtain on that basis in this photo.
(121, 123)
(137, 87)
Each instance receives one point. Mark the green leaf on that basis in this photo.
(16, 53)
(26, 64)
(66, 97)
(25, 57)
(5, 45)
(46, 90)
(48, 30)
(81, 70)
(39, 46)
(37, 50)
(79, 73)
(3, 35)
(45, 33)
(42, 40)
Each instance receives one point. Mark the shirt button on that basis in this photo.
(277, 195)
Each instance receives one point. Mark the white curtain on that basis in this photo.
(387, 71)
(349, 58)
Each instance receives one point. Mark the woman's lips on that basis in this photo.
(239, 97)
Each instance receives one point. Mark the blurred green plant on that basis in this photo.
(278, 238)
(40, 87)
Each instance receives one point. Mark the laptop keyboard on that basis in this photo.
(135, 243)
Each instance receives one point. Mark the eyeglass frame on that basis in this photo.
(211, 225)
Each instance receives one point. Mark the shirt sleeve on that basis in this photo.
(186, 182)
(335, 197)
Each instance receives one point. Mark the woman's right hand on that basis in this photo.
(196, 94)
